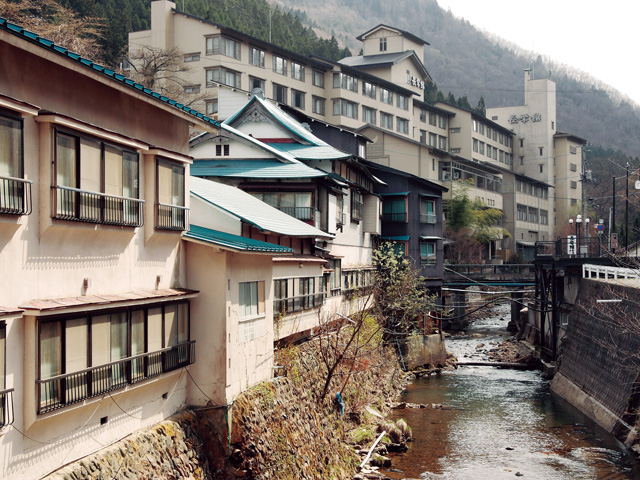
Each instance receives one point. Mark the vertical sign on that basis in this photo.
(571, 245)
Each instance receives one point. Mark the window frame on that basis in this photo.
(15, 191)
(222, 47)
(318, 102)
(298, 95)
(260, 61)
(431, 258)
(297, 71)
(357, 203)
(279, 65)
(280, 93)
(171, 216)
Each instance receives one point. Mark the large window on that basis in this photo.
(171, 212)
(386, 121)
(342, 80)
(345, 108)
(251, 299)
(317, 105)
(402, 102)
(279, 65)
(297, 71)
(386, 96)
(297, 294)
(402, 124)
(368, 115)
(368, 89)
(256, 57)
(297, 99)
(296, 204)
(427, 252)
(427, 210)
(317, 78)
(280, 93)
(223, 76)
(212, 106)
(96, 182)
(256, 83)
(225, 46)
(83, 356)
(394, 209)
(15, 193)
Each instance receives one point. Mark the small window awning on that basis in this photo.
(431, 195)
(526, 244)
(397, 238)
(95, 302)
(398, 194)
(299, 258)
(429, 237)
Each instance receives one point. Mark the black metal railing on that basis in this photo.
(301, 213)
(481, 269)
(69, 388)
(82, 206)
(6, 407)
(427, 218)
(285, 306)
(394, 217)
(427, 262)
(591, 247)
(15, 196)
(171, 217)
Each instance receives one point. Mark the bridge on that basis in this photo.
(509, 275)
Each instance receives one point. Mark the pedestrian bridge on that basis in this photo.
(508, 275)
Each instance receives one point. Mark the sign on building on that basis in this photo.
(571, 245)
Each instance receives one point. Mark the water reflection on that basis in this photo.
(501, 423)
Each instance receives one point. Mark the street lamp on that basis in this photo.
(578, 222)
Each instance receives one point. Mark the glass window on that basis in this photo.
(256, 83)
(402, 125)
(433, 119)
(297, 71)
(402, 102)
(317, 105)
(342, 80)
(225, 46)
(386, 96)
(368, 89)
(251, 299)
(394, 209)
(297, 99)
(442, 142)
(280, 93)
(279, 65)
(223, 76)
(427, 253)
(212, 106)
(386, 121)
(442, 122)
(10, 147)
(368, 115)
(317, 78)
(256, 57)
(191, 57)
(356, 205)
(383, 44)
(345, 108)
(171, 211)
(427, 210)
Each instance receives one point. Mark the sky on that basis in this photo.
(598, 37)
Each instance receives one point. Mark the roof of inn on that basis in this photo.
(253, 168)
(233, 242)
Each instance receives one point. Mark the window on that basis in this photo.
(454, 130)
(296, 204)
(402, 125)
(255, 82)
(399, 248)
(223, 76)
(522, 212)
(481, 129)
(192, 89)
(541, 151)
(345, 108)
(297, 71)
(533, 215)
(191, 57)
(250, 299)
(574, 185)
(317, 78)
(394, 209)
(423, 115)
(335, 278)
(317, 105)
(280, 296)
(279, 65)
(427, 253)
(297, 99)
(368, 115)
(481, 148)
(402, 102)
(433, 119)
(96, 182)
(423, 136)
(212, 106)
(433, 140)
(256, 57)
(541, 166)
(573, 167)
(342, 80)
(544, 217)
(442, 142)
(171, 213)
(386, 121)
(306, 293)
(225, 46)
(475, 145)
(574, 201)
(442, 122)
(340, 210)
(427, 210)
(6, 395)
(15, 193)
(475, 125)
(280, 93)
(222, 150)
(383, 44)
(356, 206)
(386, 96)
(87, 355)
(368, 89)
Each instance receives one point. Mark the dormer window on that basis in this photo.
(222, 150)
(383, 44)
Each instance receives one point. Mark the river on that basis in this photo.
(498, 423)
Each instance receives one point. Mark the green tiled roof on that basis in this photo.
(234, 242)
(253, 169)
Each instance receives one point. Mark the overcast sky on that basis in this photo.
(599, 37)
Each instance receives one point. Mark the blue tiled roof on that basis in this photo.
(234, 242)
(101, 69)
(253, 169)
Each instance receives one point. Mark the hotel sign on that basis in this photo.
(415, 81)
(524, 118)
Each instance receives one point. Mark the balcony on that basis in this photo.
(15, 196)
(82, 206)
(285, 306)
(301, 213)
(171, 217)
(394, 217)
(427, 218)
(67, 389)
(6, 407)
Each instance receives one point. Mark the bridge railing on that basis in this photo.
(586, 247)
(486, 270)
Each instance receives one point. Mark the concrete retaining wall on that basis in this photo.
(423, 350)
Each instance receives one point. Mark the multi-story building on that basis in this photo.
(540, 151)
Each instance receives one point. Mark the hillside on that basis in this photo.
(466, 61)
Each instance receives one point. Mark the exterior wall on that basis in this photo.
(567, 179)
(396, 42)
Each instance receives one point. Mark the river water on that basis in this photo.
(499, 423)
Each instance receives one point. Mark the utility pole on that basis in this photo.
(626, 211)
(584, 196)
(613, 216)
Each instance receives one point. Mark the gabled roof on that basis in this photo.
(308, 146)
(404, 33)
(363, 62)
(233, 242)
(393, 171)
(253, 168)
(101, 70)
(251, 210)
